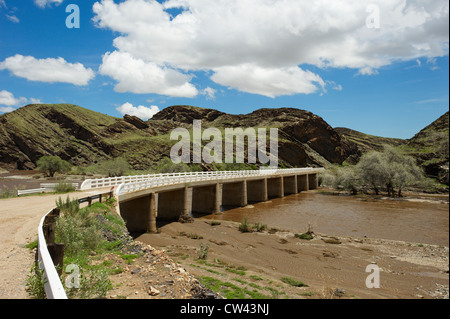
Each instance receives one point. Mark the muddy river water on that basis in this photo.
(411, 219)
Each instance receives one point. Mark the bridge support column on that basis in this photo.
(151, 225)
(313, 181)
(173, 204)
(234, 194)
(302, 183)
(290, 185)
(205, 199)
(275, 187)
(257, 191)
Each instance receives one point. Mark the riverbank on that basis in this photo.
(328, 266)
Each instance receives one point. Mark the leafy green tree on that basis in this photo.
(390, 169)
(53, 164)
(116, 167)
(372, 170)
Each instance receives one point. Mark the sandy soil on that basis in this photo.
(407, 270)
(19, 221)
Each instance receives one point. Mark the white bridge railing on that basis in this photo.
(127, 184)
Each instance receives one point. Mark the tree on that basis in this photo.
(402, 170)
(116, 167)
(53, 164)
(390, 168)
(372, 170)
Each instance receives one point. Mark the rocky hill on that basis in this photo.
(84, 137)
(431, 148)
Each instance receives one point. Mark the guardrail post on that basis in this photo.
(56, 251)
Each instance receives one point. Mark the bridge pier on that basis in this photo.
(257, 191)
(206, 199)
(173, 204)
(290, 185)
(302, 183)
(234, 194)
(275, 187)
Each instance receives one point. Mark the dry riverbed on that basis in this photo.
(253, 264)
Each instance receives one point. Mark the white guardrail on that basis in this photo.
(53, 286)
(128, 184)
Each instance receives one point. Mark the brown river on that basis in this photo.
(420, 220)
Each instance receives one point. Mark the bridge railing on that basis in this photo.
(116, 181)
(158, 180)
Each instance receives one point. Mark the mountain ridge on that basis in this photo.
(85, 137)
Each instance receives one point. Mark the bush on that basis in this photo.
(203, 253)
(52, 164)
(244, 226)
(304, 236)
(63, 187)
(116, 167)
(68, 207)
(35, 282)
(292, 282)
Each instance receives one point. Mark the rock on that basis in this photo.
(332, 240)
(152, 291)
(137, 122)
(339, 292)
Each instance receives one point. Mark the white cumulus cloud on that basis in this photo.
(271, 38)
(47, 70)
(9, 101)
(44, 3)
(140, 111)
(271, 82)
(141, 77)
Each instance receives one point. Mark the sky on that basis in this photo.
(376, 66)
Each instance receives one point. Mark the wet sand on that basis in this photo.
(407, 240)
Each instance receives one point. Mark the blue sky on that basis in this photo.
(137, 56)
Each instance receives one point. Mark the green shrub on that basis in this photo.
(304, 236)
(63, 187)
(68, 207)
(35, 282)
(292, 282)
(259, 227)
(203, 253)
(244, 226)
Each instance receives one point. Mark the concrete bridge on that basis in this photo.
(167, 197)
